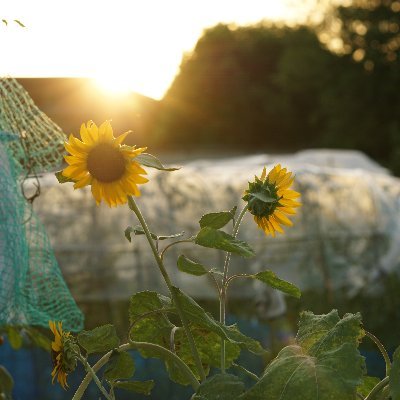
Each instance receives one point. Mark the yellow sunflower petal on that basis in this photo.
(282, 218)
(263, 174)
(275, 224)
(86, 180)
(106, 133)
(86, 135)
(289, 203)
(287, 210)
(291, 194)
(118, 140)
(97, 191)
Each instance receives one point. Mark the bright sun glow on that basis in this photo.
(124, 45)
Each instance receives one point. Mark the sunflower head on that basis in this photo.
(100, 160)
(64, 353)
(269, 198)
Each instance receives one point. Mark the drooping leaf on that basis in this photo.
(213, 238)
(148, 315)
(270, 278)
(220, 387)
(217, 220)
(61, 178)
(143, 387)
(324, 363)
(120, 366)
(6, 384)
(367, 384)
(138, 230)
(100, 339)
(14, 337)
(191, 267)
(394, 376)
(38, 338)
(148, 160)
(198, 316)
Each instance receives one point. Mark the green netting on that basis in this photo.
(41, 146)
(32, 289)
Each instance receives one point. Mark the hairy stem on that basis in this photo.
(377, 389)
(382, 350)
(222, 301)
(133, 206)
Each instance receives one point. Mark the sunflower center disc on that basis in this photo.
(105, 163)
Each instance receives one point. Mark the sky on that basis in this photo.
(123, 44)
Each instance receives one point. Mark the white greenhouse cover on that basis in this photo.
(346, 234)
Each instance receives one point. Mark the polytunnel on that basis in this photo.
(345, 235)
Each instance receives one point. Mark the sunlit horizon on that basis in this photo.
(126, 46)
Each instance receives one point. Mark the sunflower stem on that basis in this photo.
(90, 371)
(224, 286)
(133, 206)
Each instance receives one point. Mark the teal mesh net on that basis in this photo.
(32, 289)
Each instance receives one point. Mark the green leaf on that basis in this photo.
(143, 387)
(148, 160)
(120, 366)
(220, 387)
(209, 237)
(324, 364)
(98, 340)
(148, 314)
(394, 376)
(197, 316)
(6, 384)
(217, 220)
(61, 178)
(138, 230)
(14, 337)
(191, 267)
(269, 278)
(367, 384)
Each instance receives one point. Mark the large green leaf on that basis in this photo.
(217, 220)
(324, 364)
(209, 347)
(394, 376)
(148, 315)
(220, 387)
(120, 366)
(198, 316)
(143, 387)
(191, 267)
(99, 340)
(214, 238)
(148, 160)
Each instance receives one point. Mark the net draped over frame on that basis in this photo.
(32, 288)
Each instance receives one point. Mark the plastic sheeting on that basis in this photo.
(344, 236)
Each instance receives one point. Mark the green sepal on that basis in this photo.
(270, 279)
(217, 220)
(263, 197)
(148, 160)
(191, 267)
(213, 238)
(143, 387)
(198, 316)
(394, 376)
(138, 230)
(220, 387)
(61, 178)
(98, 340)
(6, 384)
(324, 363)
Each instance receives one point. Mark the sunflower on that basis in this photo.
(270, 198)
(99, 159)
(63, 353)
